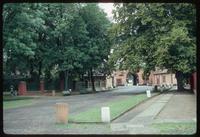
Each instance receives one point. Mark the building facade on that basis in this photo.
(163, 77)
(124, 78)
(193, 82)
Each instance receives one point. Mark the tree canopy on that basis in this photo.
(49, 38)
(149, 35)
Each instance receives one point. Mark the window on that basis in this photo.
(158, 80)
(121, 74)
(119, 82)
(164, 79)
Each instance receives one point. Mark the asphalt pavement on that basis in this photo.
(39, 118)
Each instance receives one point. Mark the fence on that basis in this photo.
(88, 85)
(31, 85)
(8, 82)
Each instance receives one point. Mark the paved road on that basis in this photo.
(131, 89)
(40, 117)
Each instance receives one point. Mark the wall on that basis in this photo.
(151, 78)
(120, 76)
(140, 79)
(109, 82)
(154, 75)
(169, 79)
(195, 82)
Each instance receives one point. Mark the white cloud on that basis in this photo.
(107, 7)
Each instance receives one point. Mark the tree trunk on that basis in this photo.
(92, 80)
(39, 70)
(180, 81)
(31, 72)
(66, 80)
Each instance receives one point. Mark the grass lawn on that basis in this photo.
(17, 103)
(85, 128)
(175, 128)
(116, 108)
(12, 98)
(82, 126)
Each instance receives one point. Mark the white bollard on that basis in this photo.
(148, 93)
(137, 84)
(105, 114)
(53, 93)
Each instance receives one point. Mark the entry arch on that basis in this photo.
(132, 78)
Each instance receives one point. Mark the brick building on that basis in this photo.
(123, 78)
(193, 82)
(157, 77)
(163, 77)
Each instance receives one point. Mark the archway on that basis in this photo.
(132, 79)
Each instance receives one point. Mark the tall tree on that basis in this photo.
(160, 35)
(19, 35)
(98, 44)
(47, 39)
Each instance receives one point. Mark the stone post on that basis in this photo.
(105, 114)
(61, 113)
(22, 88)
(148, 92)
(42, 86)
(53, 93)
(195, 82)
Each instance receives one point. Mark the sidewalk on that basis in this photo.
(165, 108)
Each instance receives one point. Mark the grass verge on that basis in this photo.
(116, 108)
(175, 128)
(12, 98)
(85, 128)
(16, 103)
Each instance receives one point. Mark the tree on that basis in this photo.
(161, 35)
(19, 33)
(98, 44)
(51, 39)
(66, 33)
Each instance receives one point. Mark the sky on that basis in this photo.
(107, 7)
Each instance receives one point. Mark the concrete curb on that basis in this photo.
(135, 106)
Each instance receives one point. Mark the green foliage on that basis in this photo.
(160, 35)
(18, 36)
(46, 39)
(98, 46)
(156, 35)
